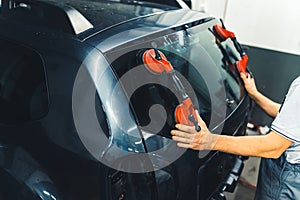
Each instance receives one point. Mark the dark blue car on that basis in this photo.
(82, 116)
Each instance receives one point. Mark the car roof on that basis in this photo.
(77, 16)
(90, 20)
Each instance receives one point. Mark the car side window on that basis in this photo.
(23, 89)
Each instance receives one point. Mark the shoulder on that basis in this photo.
(296, 82)
(295, 87)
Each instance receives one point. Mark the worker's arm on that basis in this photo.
(269, 106)
(271, 145)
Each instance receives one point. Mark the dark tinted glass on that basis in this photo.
(23, 91)
(210, 80)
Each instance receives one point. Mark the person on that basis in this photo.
(279, 173)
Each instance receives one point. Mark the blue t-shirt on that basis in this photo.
(287, 122)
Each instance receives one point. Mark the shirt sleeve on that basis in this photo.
(287, 122)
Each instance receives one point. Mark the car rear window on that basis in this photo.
(209, 79)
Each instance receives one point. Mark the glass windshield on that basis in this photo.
(206, 74)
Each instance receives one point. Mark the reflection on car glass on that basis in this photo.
(195, 57)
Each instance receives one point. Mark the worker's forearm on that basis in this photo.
(269, 106)
(260, 146)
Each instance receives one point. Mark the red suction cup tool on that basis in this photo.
(242, 64)
(221, 33)
(185, 113)
(157, 62)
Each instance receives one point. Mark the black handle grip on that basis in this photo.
(192, 119)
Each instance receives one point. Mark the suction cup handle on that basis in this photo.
(192, 119)
(157, 55)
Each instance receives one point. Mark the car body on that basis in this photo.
(82, 117)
